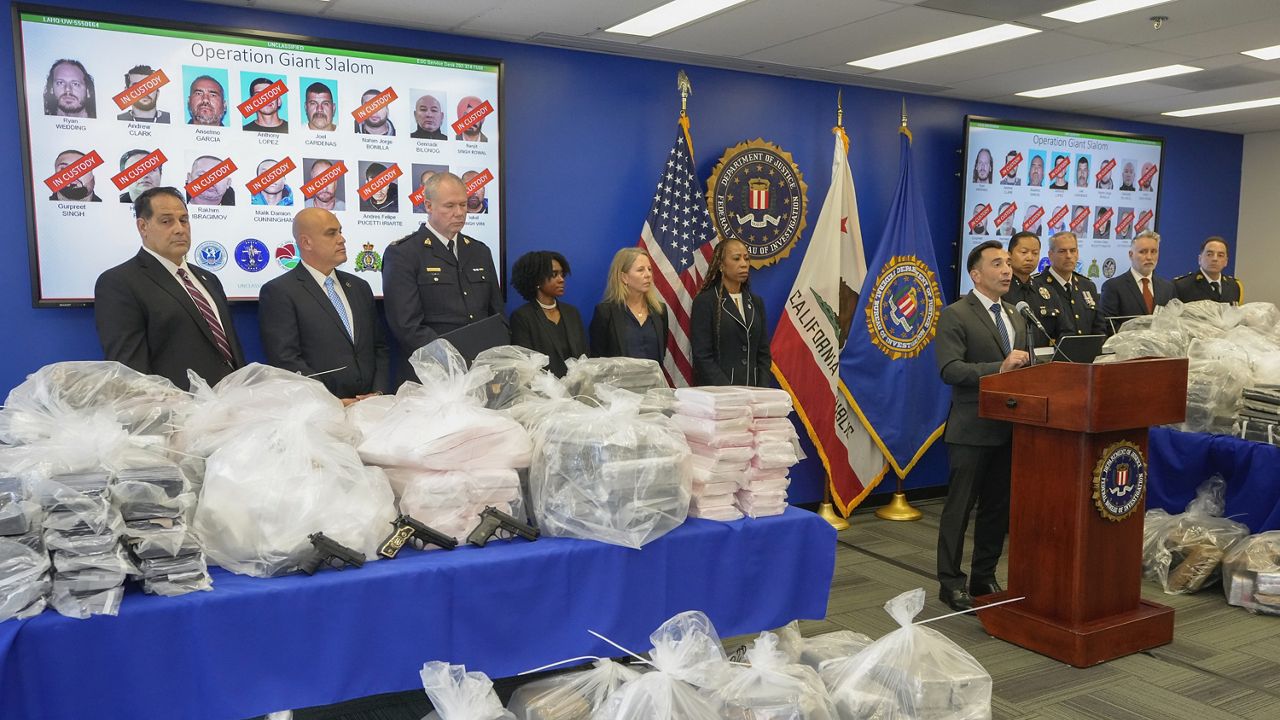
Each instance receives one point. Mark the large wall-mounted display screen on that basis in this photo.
(251, 127)
(1104, 187)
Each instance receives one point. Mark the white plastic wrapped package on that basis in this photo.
(140, 404)
(1183, 552)
(1262, 316)
(707, 471)
(1139, 343)
(514, 369)
(774, 456)
(460, 695)
(451, 501)
(771, 409)
(719, 513)
(633, 374)
(715, 396)
(761, 504)
(772, 424)
(773, 687)
(912, 673)
(1251, 573)
(711, 412)
(19, 514)
(1217, 372)
(443, 423)
(703, 430)
(771, 485)
(818, 650)
(609, 473)
(570, 696)
(365, 415)
(252, 396)
(725, 457)
(1254, 341)
(659, 400)
(265, 492)
(687, 655)
(703, 489)
(81, 605)
(24, 578)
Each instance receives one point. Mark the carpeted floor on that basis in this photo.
(1223, 662)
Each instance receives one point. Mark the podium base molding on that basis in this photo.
(1080, 645)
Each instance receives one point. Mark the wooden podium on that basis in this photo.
(1079, 571)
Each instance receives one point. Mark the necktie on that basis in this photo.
(210, 317)
(1005, 347)
(1217, 291)
(1147, 297)
(449, 244)
(332, 292)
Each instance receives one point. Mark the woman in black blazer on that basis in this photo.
(727, 324)
(545, 324)
(631, 321)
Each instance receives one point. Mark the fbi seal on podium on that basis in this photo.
(1119, 479)
(904, 306)
(758, 196)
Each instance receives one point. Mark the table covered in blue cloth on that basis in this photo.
(1181, 461)
(252, 645)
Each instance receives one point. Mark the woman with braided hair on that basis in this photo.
(727, 323)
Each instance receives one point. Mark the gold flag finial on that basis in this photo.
(686, 89)
(904, 112)
(840, 108)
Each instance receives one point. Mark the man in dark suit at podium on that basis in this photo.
(158, 315)
(977, 335)
(317, 320)
(1139, 291)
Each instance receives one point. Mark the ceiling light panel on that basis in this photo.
(945, 46)
(1084, 12)
(1111, 81)
(1228, 107)
(672, 15)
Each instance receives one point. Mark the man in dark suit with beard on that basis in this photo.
(977, 335)
(317, 320)
(158, 315)
(1139, 291)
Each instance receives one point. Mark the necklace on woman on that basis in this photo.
(552, 306)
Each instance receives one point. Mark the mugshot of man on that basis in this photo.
(1082, 172)
(1109, 183)
(378, 123)
(142, 184)
(277, 193)
(1035, 171)
(329, 196)
(268, 117)
(144, 108)
(68, 91)
(387, 199)
(476, 204)
(207, 102)
(320, 107)
(1148, 172)
(471, 134)
(219, 193)
(428, 116)
(1126, 177)
(1012, 178)
(1060, 182)
(78, 190)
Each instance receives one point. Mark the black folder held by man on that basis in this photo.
(469, 340)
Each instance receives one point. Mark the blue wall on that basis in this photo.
(585, 135)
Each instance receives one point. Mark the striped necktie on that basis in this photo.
(337, 305)
(1005, 346)
(210, 317)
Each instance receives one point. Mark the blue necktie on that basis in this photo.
(332, 292)
(1004, 334)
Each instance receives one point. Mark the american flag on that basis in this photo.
(678, 235)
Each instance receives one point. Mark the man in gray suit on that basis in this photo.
(977, 335)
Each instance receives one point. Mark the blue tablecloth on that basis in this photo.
(257, 645)
(1181, 461)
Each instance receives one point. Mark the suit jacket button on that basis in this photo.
(744, 348)
(743, 361)
(435, 279)
(464, 292)
(471, 317)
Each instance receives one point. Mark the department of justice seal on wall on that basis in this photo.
(903, 309)
(1119, 479)
(758, 195)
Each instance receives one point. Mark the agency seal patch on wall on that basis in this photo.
(757, 195)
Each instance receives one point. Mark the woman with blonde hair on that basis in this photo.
(631, 321)
(727, 323)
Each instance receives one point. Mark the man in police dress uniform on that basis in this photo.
(1024, 255)
(1075, 295)
(437, 279)
(1209, 283)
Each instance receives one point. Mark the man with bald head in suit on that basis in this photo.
(319, 321)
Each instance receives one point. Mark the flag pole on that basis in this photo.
(898, 508)
(826, 510)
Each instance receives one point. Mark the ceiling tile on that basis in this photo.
(1044, 49)
(1187, 17)
(765, 24)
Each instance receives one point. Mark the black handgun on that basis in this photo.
(329, 552)
(409, 530)
(492, 520)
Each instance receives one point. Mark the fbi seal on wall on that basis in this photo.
(757, 195)
(903, 308)
(1119, 479)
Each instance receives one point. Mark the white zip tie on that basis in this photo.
(970, 610)
(558, 663)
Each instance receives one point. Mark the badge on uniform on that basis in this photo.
(431, 269)
(1088, 298)
(1044, 293)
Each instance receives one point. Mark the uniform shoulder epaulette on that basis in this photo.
(1185, 277)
